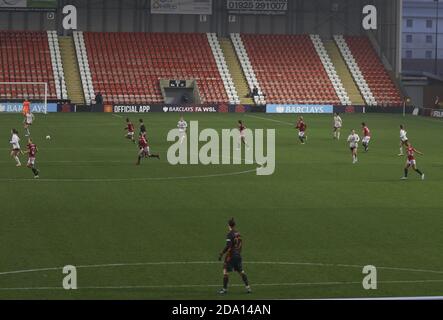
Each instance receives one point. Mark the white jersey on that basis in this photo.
(403, 135)
(353, 140)
(29, 118)
(338, 122)
(15, 142)
(182, 126)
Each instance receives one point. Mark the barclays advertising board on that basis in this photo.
(299, 108)
(11, 107)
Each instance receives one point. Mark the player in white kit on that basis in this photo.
(353, 140)
(29, 119)
(182, 128)
(338, 123)
(15, 143)
(403, 140)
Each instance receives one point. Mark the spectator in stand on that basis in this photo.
(437, 102)
(98, 102)
(253, 93)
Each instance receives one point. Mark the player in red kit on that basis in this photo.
(411, 162)
(130, 129)
(366, 136)
(144, 149)
(301, 126)
(32, 152)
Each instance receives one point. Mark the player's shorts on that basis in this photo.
(404, 141)
(337, 128)
(28, 123)
(31, 161)
(366, 139)
(301, 134)
(131, 133)
(234, 264)
(16, 150)
(145, 150)
(353, 147)
(411, 163)
(243, 134)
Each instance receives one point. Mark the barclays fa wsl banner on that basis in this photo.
(181, 7)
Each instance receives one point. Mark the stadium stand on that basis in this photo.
(383, 89)
(28, 56)
(127, 67)
(248, 70)
(223, 68)
(330, 70)
(287, 69)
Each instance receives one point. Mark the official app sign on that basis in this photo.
(165, 108)
(299, 108)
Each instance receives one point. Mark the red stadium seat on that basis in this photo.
(25, 57)
(289, 69)
(127, 67)
(380, 83)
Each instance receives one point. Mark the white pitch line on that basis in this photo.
(293, 284)
(135, 264)
(268, 119)
(134, 179)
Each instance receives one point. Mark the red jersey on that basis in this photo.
(32, 150)
(241, 127)
(410, 151)
(130, 127)
(301, 126)
(142, 142)
(366, 132)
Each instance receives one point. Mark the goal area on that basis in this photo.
(12, 95)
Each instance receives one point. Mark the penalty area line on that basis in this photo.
(268, 119)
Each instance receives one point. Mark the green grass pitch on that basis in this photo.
(145, 233)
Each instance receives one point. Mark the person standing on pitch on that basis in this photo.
(233, 259)
(353, 140)
(15, 150)
(182, 127)
(338, 123)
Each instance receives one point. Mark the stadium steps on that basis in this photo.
(72, 73)
(344, 73)
(236, 71)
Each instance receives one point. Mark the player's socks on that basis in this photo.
(338, 136)
(406, 173)
(419, 172)
(17, 160)
(35, 171)
(244, 277)
(225, 283)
